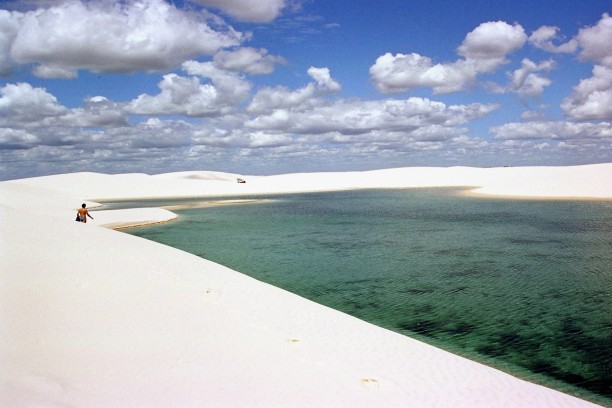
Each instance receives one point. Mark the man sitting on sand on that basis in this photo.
(82, 214)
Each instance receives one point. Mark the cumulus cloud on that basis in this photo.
(189, 96)
(543, 38)
(592, 98)
(157, 134)
(16, 139)
(280, 97)
(22, 103)
(596, 42)
(108, 37)
(49, 72)
(179, 95)
(528, 81)
(560, 130)
(556, 140)
(9, 26)
(324, 79)
(399, 73)
(232, 87)
(32, 115)
(492, 41)
(357, 128)
(533, 115)
(97, 112)
(484, 50)
(255, 11)
(362, 117)
(249, 60)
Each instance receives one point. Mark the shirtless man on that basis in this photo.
(82, 214)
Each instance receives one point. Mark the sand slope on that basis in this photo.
(92, 317)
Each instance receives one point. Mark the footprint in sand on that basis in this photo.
(211, 295)
(370, 382)
(293, 340)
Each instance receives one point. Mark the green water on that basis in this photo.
(522, 285)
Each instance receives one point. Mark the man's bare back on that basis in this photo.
(82, 213)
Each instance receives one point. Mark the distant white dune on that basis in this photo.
(92, 317)
(589, 181)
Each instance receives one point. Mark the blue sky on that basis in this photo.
(277, 86)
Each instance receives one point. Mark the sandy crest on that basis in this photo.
(96, 318)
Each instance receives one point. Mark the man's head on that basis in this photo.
(83, 205)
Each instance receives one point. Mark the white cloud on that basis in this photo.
(50, 71)
(238, 139)
(256, 11)
(526, 81)
(552, 141)
(436, 133)
(263, 139)
(399, 73)
(179, 95)
(28, 113)
(533, 115)
(97, 112)
(484, 49)
(280, 97)
(232, 88)
(561, 130)
(277, 120)
(188, 96)
(543, 38)
(596, 42)
(9, 26)
(318, 128)
(364, 128)
(158, 134)
(592, 97)
(14, 139)
(363, 117)
(249, 60)
(492, 41)
(324, 79)
(108, 37)
(23, 103)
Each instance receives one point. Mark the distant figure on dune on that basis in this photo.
(82, 214)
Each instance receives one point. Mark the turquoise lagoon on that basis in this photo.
(521, 285)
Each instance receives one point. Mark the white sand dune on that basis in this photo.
(591, 181)
(92, 317)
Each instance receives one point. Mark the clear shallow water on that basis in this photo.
(522, 285)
